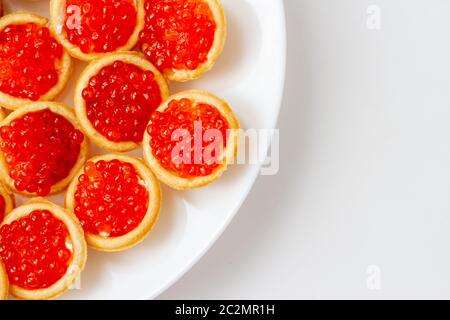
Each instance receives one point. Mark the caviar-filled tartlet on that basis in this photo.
(41, 148)
(91, 28)
(6, 201)
(43, 249)
(33, 65)
(115, 97)
(4, 282)
(191, 139)
(117, 200)
(183, 38)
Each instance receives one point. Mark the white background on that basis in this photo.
(365, 164)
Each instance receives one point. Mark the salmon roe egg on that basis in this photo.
(110, 199)
(99, 26)
(35, 250)
(178, 34)
(120, 99)
(40, 150)
(29, 58)
(185, 115)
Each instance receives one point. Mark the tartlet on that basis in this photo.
(117, 200)
(52, 250)
(115, 116)
(36, 74)
(86, 36)
(190, 42)
(55, 148)
(163, 136)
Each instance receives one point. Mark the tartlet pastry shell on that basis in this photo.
(172, 179)
(220, 36)
(5, 191)
(65, 65)
(91, 70)
(4, 283)
(57, 108)
(9, 199)
(137, 235)
(57, 13)
(79, 249)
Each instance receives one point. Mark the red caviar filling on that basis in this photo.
(99, 26)
(40, 150)
(120, 100)
(28, 60)
(179, 33)
(35, 250)
(2, 208)
(111, 199)
(188, 152)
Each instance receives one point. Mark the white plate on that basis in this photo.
(250, 76)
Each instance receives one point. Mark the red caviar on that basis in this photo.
(99, 26)
(2, 208)
(120, 100)
(35, 250)
(40, 149)
(110, 199)
(179, 33)
(183, 114)
(28, 60)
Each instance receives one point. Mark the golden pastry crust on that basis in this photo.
(7, 195)
(4, 283)
(64, 66)
(216, 49)
(80, 104)
(137, 235)
(172, 179)
(9, 199)
(57, 14)
(79, 249)
(59, 109)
